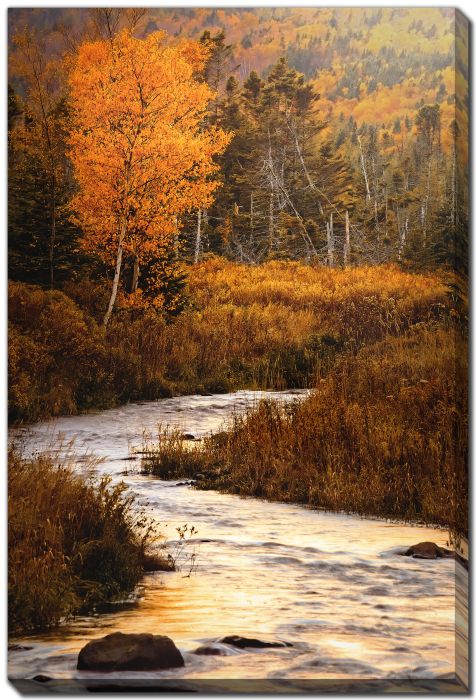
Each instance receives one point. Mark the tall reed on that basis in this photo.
(73, 542)
(385, 433)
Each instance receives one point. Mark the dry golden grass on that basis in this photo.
(385, 433)
(72, 542)
(264, 325)
(278, 325)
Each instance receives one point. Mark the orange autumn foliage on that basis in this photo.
(140, 153)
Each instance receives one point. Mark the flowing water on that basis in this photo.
(334, 586)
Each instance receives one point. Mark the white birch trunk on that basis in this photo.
(364, 169)
(198, 237)
(403, 231)
(117, 272)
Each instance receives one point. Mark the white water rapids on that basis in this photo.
(334, 586)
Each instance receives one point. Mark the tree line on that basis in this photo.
(131, 156)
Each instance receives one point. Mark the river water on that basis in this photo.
(334, 586)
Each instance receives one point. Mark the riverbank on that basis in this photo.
(274, 326)
(267, 570)
(270, 571)
(384, 434)
(74, 543)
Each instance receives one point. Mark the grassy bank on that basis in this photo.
(278, 325)
(73, 543)
(385, 433)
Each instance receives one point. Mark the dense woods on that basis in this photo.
(284, 159)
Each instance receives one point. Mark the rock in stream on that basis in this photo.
(129, 652)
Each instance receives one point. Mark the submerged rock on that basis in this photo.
(428, 550)
(214, 650)
(245, 642)
(208, 650)
(18, 647)
(129, 652)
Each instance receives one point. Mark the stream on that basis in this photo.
(334, 586)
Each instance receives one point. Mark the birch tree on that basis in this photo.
(140, 154)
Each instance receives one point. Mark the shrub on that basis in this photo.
(73, 542)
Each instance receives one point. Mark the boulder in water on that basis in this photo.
(428, 550)
(129, 652)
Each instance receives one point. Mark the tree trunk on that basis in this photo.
(198, 237)
(426, 202)
(330, 242)
(117, 273)
(135, 274)
(364, 169)
(51, 251)
(403, 231)
(347, 240)
(271, 220)
(271, 195)
(251, 237)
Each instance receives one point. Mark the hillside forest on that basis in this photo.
(320, 140)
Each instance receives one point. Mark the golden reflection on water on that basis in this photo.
(340, 594)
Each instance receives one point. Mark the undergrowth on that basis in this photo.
(74, 542)
(275, 326)
(385, 433)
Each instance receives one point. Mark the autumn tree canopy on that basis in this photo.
(141, 154)
(345, 150)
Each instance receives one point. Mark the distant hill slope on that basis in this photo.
(375, 63)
